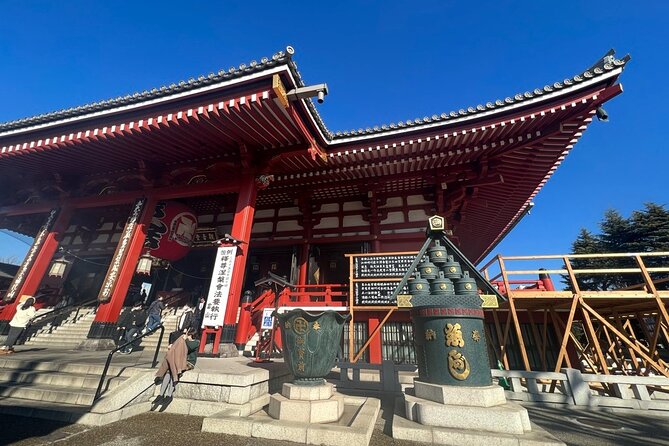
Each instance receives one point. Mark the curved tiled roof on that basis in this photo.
(606, 64)
(279, 58)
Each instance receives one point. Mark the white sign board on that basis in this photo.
(217, 299)
(267, 319)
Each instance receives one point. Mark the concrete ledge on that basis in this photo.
(508, 418)
(487, 396)
(355, 429)
(209, 408)
(404, 429)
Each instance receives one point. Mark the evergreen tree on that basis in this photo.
(646, 230)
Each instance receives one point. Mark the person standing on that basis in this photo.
(24, 314)
(155, 311)
(187, 319)
(199, 314)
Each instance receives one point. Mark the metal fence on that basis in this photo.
(361, 334)
(397, 343)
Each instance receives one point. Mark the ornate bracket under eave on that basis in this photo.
(280, 91)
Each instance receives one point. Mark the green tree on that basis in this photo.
(646, 230)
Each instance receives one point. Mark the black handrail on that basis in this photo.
(111, 354)
(67, 307)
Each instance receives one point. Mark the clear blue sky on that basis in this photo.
(383, 62)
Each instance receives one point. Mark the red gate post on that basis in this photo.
(241, 230)
(103, 329)
(375, 346)
(33, 271)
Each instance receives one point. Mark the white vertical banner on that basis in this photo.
(217, 299)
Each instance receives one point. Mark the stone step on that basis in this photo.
(57, 345)
(56, 394)
(80, 328)
(69, 380)
(45, 410)
(15, 363)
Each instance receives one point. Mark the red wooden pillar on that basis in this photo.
(307, 224)
(241, 230)
(374, 221)
(119, 276)
(36, 263)
(375, 346)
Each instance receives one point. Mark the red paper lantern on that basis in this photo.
(172, 230)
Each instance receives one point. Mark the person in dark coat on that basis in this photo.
(132, 324)
(155, 312)
(199, 313)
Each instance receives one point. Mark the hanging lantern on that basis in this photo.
(171, 232)
(144, 264)
(58, 267)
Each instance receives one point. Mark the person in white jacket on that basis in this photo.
(24, 314)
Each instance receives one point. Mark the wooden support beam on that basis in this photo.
(633, 359)
(516, 323)
(557, 324)
(572, 311)
(662, 315)
(623, 338)
(595, 341)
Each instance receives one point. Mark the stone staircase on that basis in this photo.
(53, 389)
(64, 335)
(169, 321)
(68, 332)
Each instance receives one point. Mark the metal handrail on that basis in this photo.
(98, 392)
(53, 311)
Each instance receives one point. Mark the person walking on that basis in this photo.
(133, 322)
(24, 315)
(155, 311)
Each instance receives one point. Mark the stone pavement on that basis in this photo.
(574, 427)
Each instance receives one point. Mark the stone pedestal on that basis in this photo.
(442, 414)
(306, 404)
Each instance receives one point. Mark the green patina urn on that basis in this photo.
(449, 333)
(310, 343)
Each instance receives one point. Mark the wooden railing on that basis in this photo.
(498, 272)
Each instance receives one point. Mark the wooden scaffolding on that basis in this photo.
(616, 331)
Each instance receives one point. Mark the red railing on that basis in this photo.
(326, 295)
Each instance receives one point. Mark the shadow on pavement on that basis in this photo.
(582, 427)
(15, 429)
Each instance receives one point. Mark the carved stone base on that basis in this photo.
(487, 396)
(510, 418)
(440, 414)
(306, 404)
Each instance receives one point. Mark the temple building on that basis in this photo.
(147, 188)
